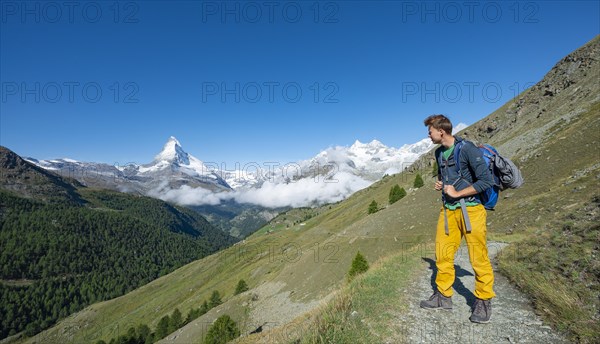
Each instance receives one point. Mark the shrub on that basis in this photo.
(418, 181)
(241, 287)
(162, 329)
(215, 299)
(359, 265)
(222, 331)
(396, 194)
(373, 207)
(175, 321)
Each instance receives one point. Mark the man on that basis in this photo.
(461, 215)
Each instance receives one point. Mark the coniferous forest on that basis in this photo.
(58, 257)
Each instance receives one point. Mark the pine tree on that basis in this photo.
(396, 194)
(393, 196)
(373, 207)
(143, 332)
(241, 287)
(434, 172)
(222, 331)
(175, 320)
(359, 265)
(402, 193)
(215, 299)
(418, 181)
(204, 308)
(162, 329)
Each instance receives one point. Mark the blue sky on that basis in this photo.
(264, 81)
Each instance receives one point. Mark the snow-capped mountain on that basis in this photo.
(174, 175)
(374, 159)
(179, 167)
(370, 161)
(171, 168)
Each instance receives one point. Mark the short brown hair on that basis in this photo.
(439, 122)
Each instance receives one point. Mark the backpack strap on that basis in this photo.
(440, 162)
(463, 204)
(457, 150)
(463, 208)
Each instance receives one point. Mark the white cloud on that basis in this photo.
(303, 192)
(300, 193)
(187, 195)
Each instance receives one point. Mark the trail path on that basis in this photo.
(513, 319)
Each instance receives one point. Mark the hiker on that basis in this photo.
(462, 214)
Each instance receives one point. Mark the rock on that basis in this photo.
(533, 323)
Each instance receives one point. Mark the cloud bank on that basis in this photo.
(300, 193)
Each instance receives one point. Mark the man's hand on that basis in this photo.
(438, 185)
(451, 191)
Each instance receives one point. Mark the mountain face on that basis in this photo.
(171, 168)
(28, 180)
(179, 168)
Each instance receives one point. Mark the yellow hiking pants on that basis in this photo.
(447, 245)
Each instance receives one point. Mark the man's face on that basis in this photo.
(435, 135)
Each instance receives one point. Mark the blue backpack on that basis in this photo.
(505, 173)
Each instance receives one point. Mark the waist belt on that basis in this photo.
(465, 213)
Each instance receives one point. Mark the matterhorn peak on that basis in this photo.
(174, 140)
(173, 152)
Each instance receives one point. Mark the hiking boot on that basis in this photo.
(482, 311)
(437, 301)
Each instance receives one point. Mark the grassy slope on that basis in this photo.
(362, 311)
(318, 255)
(552, 221)
(556, 259)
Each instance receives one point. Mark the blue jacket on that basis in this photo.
(474, 171)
